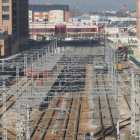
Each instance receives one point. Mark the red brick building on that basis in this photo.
(49, 13)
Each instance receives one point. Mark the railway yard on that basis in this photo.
(61, 93)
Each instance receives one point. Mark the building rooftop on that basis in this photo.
(124, 24)
(38, 8)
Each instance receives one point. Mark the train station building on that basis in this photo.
(65, 29)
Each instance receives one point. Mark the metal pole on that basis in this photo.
(25, 69)
(114, 68)
(17, 104)
(137, 108)
(52, 49)
(28, 122)
(4, 118)
(32, 76)
(42, 58)
(118, 131)
(38, 71)
(56, 46)
(133, 123)
(116, 83)
(48, 53)
(139, 122)
(22, 131)
(45, 55)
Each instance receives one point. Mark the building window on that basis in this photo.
(14, 29)
(5, 8)
(38, 30)
(5, 1)
(93, 30)
(43, 30)
(51, 18)
(36, 17)
(61, 18)
(61, 14)
(14, 13)
(83, 30)
(73, 30)
(14, 21)
(88, 30)
(79, 30)
(32, 30)
(51, 30)
(5, 17)
(14, 5)
(36, 13)
(51, 14)
(69, 30)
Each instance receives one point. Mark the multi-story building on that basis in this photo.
(138, 19)
(14, 22)
(23, 23)
(49, 13)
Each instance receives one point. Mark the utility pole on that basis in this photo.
(118, 131)
(17, 103)
(28, 122)
(133, 123)
(77, 8)
(25, 69)
(4, 118)
(38, 71)
(137, 130)
(32, 76)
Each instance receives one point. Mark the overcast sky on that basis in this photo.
(92, 4)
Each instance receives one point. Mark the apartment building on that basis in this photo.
(49, 13)
(14, 22)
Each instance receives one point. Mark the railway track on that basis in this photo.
(57, 123)
(126, 97)
(104, 132)
(11, 99)
(102, 115)
(113, 128)
(45, 119)
(60, 125)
